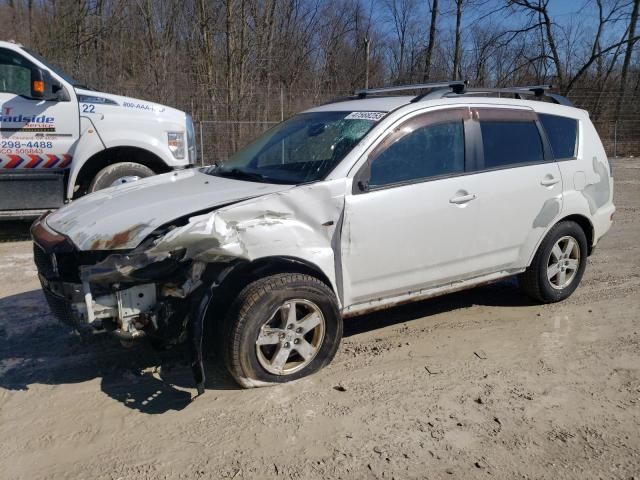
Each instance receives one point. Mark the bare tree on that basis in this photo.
(402, 13)
(457, 50)
(631, 39)
(433, 7)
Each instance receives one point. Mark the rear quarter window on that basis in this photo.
(562, 133)
(507, 143)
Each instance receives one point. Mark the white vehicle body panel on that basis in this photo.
(139, 208)
(376, 248)
(420, 239)
(64, 135)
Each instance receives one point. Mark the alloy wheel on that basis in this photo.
(291, 338)
(563, 263)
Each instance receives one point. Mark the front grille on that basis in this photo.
(68, 263)
(60, 308)
(58, 305)
(43, 262)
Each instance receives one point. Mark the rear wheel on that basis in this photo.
(558, 266)
(281, 328)
(118, 174)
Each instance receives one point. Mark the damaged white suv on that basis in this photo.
(346, 208)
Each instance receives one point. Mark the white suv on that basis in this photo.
(346, 208)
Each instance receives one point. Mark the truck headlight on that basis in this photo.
(175, 141)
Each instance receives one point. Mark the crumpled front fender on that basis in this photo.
(303, 223)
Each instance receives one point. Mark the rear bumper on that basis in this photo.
(602, 222)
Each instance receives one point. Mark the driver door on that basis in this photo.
(34, 133)
(407, 225)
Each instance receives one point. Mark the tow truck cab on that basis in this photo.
(60, 140)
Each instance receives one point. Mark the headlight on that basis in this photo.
(175, 140)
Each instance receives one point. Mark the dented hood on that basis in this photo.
(119, 218)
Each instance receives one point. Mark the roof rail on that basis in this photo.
(518, 92)
(453, 85)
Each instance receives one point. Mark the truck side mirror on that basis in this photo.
(37, 83)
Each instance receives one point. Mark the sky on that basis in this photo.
(563, 12)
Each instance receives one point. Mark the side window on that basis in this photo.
(416, 151)
(562, 133)
(15, 73)
(507, 142)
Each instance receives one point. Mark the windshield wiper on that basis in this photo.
(240, 174)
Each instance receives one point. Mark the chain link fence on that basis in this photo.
(218, 138)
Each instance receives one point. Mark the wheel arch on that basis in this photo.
(231, 283)
(585, 224)
(79, 183)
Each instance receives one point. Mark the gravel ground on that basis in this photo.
(473, 384)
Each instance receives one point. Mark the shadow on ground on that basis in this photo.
(36, 349)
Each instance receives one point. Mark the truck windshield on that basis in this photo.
(302, 149)
(54, 69)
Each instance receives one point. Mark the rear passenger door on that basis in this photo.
(517, 187)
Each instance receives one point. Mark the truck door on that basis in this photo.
(37, 135)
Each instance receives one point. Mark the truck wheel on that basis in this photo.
(281, 328)
(119, 173)
(558, 266)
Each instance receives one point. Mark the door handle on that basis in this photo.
(460, 199)
(549, 181)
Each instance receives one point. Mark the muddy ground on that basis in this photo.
(476, 384)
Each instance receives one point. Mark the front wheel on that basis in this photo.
(558, 266)
(118, 174)
(281, 328)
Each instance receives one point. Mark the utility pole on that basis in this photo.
(367, 46)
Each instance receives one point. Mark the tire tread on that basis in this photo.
(237, 316)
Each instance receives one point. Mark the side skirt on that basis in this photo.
(425, 293)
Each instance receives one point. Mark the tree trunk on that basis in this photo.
(627, 57)
(432, 40)
(457, 55)
(207, 50)
(552, 47)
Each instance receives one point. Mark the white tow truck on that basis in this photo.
(60, 140)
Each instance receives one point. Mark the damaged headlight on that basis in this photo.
(176, 143)
(134, 266)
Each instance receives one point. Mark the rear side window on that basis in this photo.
(562, 133)
(507, 143)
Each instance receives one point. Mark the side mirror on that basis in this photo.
(363, 185)
(361, 180)
(37, 83)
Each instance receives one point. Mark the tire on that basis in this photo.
(261, 309)
(539, 281)
(112, 173)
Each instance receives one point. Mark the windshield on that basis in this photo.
(303, 149)
(54, 69)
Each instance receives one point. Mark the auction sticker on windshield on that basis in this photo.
(374, 116)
